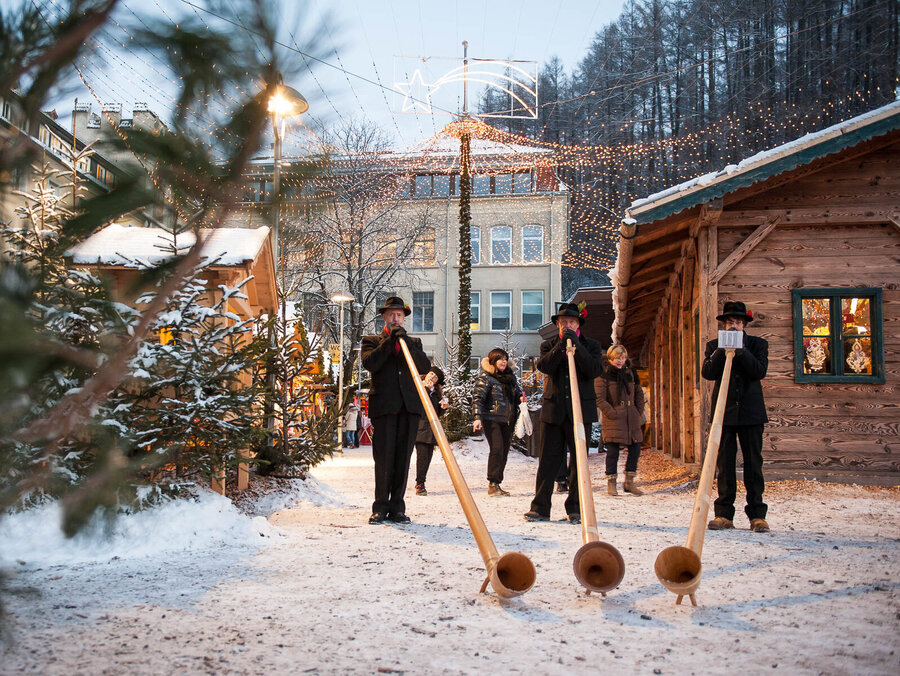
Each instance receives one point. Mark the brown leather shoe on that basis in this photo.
(759, 526)
(720, 523)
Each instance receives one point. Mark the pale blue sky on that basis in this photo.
(368, 36)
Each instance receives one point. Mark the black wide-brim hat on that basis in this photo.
(439, 373)
(735, 308)
(394, 303)
(567, 310)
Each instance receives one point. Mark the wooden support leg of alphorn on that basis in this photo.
(693, 600)
(485, 584)
(678, 600)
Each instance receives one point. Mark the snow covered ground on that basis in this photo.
(204, 588)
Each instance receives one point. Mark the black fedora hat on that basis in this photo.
(439, 373)
(736, 309)
(569, 310)
(394, 303)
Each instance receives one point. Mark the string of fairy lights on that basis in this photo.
(601, 178)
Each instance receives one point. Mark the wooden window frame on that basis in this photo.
(877, 377)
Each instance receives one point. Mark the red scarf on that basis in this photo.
(396, 344)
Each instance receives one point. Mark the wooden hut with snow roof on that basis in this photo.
(230, 256)
(808, 236)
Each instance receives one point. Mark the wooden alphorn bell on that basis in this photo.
(509, 575)
(598, 565)
(679, 568)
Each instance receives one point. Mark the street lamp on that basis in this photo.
(284, 102)
(341, 298)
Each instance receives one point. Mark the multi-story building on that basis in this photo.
(519, 231)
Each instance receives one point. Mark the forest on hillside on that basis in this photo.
(676, 88)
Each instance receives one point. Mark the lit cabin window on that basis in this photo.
(838, 335)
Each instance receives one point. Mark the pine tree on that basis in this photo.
(457, 420)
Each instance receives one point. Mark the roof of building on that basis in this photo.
(131, 246)
(764, 165)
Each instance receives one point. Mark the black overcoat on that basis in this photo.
(392, 386)
(557, 400)
(745, 404)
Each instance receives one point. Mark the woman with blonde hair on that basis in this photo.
(620, 401)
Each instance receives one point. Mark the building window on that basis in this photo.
(441, 185)
(475, 234)
(533, 244)
(501, 245)
(532, 310)
(501, 310)
(481, 184)
(522, 183)
(503, 184)
(423, 186)
(474, 310)
(423, 248)
(423, 311)
(838, 335)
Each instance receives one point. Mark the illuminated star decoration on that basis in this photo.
(417, 93)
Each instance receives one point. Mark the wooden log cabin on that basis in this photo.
(232, 255)
(808, 236)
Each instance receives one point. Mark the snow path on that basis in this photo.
(333, 595)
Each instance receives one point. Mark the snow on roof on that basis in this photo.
(132, 246)
(759, 160)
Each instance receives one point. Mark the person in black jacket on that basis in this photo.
(745, 416)
(425, 441)
(394, 408)
(557, 420)
(495, 403)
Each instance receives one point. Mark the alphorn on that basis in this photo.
(679, 568)
(509, 575)
(598, 565)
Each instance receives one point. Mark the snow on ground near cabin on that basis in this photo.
(204, 588)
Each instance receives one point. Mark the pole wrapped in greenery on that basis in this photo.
(465, 254)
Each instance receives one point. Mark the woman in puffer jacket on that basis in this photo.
(620, 400)
(495, 403)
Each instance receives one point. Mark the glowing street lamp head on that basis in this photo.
(287, 102)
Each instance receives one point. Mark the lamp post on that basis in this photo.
(341, 298)
(285, 102)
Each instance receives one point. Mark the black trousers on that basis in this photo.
(612, 456)
(557, 441)
(750, 437)
(499, 438)
(424, 453)
(392, 443)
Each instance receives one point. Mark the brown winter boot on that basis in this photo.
(629, 484)
(494, 490)
(611, 484)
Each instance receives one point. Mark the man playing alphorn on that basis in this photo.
(557, 419)
(394, 408)
(745, 416)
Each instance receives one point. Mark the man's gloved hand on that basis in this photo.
(571, 335)
(397, 332)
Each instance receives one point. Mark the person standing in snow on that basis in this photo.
(350, 426)
(394, 407)
(425, 441)
(495, 403)
(557, 418)
(620, 401)
(745, 417)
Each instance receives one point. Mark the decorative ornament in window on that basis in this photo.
(816, 355)
(858, 361)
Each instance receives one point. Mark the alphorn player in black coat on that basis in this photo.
(745, 416)
(394, 407)
(557, 419)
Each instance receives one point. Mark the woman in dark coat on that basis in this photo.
(425, 441)
(495, 402)
(620, 400)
